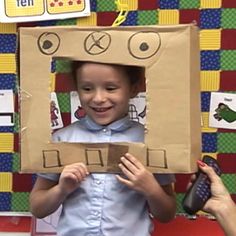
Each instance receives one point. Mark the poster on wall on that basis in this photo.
(223, 110)
(56, 119)
(39, 10)
(6, 108)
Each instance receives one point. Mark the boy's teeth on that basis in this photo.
(100, 109)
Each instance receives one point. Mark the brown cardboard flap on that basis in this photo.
(114, 154)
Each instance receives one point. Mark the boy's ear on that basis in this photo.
(140, 84)
(135, 89)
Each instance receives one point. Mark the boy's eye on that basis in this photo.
(86, 88)
(111, 88)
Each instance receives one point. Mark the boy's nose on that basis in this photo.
(99, 96)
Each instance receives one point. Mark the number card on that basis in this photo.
(38, 10)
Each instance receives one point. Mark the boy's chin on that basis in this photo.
(101, 121)
(104, 121)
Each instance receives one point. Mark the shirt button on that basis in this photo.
(95, 213)
(98, 182)
(104, 130)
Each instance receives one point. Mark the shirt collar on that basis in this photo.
(117, 126)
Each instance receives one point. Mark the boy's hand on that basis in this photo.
(138, 177)
(160, 199)
(71, 177)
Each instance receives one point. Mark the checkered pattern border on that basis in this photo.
(217, 22)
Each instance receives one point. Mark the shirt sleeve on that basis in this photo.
(50, 176)
(164, 179)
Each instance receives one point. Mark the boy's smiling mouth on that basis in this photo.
(101, 109)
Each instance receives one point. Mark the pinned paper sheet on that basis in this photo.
(6, 108)
(137, 108)
(223, 110)
(38, 10)
(77, 112)
(56, 120)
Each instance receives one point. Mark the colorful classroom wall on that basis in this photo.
(216, 20)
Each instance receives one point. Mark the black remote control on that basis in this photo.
(200, 191)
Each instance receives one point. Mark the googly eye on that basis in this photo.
(144, 45)
(48, 43)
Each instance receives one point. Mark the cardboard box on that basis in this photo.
(170, 55)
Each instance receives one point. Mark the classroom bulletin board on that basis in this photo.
(217, 23)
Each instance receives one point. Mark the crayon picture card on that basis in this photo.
(56, 119)
(137, 108)
(223, 110)
(6, 108)
(77, 112)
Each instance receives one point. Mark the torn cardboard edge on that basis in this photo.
(171, 57)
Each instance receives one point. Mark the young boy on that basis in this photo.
(104, 204)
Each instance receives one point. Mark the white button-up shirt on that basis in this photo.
(102, 206)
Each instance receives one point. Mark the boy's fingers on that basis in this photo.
(124, 181)
(133, 160)
(77, 169)
(82, 166)
(127, 166)
(126, 170)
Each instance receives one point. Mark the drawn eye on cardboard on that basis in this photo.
(97, 42)
(170, 56)
(48, 43)
(143, 45)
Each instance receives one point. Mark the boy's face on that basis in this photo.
(104, 92)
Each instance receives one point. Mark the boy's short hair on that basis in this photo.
(134, 73)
